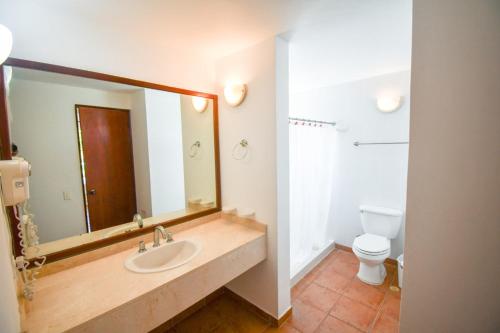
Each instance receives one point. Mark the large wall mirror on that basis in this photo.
(110, 157)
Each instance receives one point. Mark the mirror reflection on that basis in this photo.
(108, 158)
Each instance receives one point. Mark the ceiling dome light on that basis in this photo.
(388, 103)
(235, 94)
(199, 103)
(5, 43)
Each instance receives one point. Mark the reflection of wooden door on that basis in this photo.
(108, 166)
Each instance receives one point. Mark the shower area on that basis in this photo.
(312, 151)
(349, 115)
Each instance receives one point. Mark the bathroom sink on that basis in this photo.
(164, 257)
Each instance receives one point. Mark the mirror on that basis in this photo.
(102, 152)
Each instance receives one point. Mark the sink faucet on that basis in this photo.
(138, 220)
(164, 233)
(142, 247)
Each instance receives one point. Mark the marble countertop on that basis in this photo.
(69, 298)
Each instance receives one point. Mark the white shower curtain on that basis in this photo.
(311, 175)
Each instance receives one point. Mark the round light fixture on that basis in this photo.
(5, 43)
(199, 103)
(388, 103)
(235, 93)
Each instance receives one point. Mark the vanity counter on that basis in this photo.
(103, 296)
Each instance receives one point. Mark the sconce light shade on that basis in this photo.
(388, 103)
(5, 43)
(199, 103)
(235, 94)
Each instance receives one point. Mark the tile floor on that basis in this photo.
(329, 299)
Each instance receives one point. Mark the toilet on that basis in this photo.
(374, 246)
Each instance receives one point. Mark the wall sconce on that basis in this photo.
(5, 43)
(199, 103)
(235, 93)
(388, 103)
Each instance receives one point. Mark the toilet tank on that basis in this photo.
(380, 220)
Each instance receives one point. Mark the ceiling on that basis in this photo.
(331, 40)
(361, 41)
(213, 28)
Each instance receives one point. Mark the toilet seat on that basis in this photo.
(372, 245)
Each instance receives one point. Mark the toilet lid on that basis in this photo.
(372, 243)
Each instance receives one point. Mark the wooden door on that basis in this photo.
(108, 166)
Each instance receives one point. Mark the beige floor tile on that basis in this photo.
(345, 267)
(298, 289)
(354, 313)
(332, 280)
(391, 306)
(319, 297)
(364, 293)
(305, 318)
(333, 325)
(347, 257)
(386, 324)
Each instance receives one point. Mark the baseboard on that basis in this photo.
(313, 263)
(389, 261)
(343, 247)
(278, 322)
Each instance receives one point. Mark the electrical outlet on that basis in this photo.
(66, 195)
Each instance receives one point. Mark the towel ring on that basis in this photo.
(195, 148)
(240, 150)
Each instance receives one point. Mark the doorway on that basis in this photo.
(107, 166)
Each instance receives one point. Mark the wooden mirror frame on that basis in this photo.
(6, 152)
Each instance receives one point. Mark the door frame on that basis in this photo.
(82, 158)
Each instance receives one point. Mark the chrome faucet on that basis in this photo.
(142, 247)
(138, 220)
(164, 233)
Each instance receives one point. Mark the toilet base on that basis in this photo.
(372, 273)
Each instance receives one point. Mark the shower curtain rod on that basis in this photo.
(313, 121)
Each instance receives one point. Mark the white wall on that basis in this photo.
(55, 33)
(138, 124)
(282, 57)
(199, 171)
(452, 261)
(253, 182)
(44, 129)
(9, 306)
(373, 175)
(355, 40)
(166, 166)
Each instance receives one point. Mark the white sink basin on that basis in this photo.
(164, 257)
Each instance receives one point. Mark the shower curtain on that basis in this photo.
(311, 175)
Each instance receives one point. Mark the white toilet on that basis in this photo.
(372, 248)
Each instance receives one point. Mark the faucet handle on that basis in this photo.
(142, 247)
(170, 237)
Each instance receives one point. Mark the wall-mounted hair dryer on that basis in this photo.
(15, 186)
